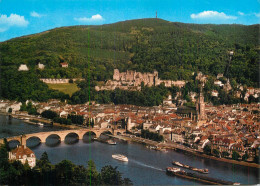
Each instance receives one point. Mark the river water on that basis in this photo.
(145, 166)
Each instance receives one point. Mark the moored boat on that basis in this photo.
(120, 157)
(111, 142)
(177, 163)
(40, 124)
(173, 169)
(204, 171)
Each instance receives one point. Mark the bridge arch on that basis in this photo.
(32, 139)
(71, 135)
(107, 132)
(44, 138)
(14, 142)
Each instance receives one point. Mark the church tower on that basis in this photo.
(200, 106)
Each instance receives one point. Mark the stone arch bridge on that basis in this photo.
(61, 134)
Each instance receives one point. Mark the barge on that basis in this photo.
(204, 171)
(196, 177)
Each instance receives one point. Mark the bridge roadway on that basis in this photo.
(61, 134)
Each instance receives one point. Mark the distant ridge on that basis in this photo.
(176, 50)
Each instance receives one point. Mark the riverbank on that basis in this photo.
(27, 118)
(184, 149)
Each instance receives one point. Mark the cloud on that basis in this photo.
(3, 29)
(13, 20)
(241, 13)
(93, 18)
(257, 14)
(206, 15)
(35, 14)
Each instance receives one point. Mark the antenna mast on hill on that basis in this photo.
(156, 14)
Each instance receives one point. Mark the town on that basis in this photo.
(225, 131)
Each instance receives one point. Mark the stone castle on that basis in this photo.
(132, 80)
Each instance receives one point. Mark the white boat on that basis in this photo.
(173, 169)
(40, 124)
(111, 142)
(177, 163)
(120, 157)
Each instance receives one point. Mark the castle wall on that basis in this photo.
(132, 80)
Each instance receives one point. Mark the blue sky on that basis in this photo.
(23, 17)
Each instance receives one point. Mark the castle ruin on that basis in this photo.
(132, 80)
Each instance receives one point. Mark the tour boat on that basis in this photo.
(120, 157)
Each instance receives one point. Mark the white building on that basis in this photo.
(214, 93)
(41, 66)
(168, 101)
(23, 154)
(218, 83)
(23, 67)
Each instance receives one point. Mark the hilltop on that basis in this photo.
(174, 49)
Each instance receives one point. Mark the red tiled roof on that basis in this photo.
(22, 150)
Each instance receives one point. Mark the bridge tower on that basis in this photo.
(23, 140)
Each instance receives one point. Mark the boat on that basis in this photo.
(120, 157)
(40, 124)
(172, 169)
(177, 163)
(204, 171)
(163, 150)
(111, 142)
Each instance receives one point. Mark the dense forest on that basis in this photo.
(175, 50)
(63, 173)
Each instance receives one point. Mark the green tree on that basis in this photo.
(225, 154)
(49, 114)
(64, 173)
(245, 157)
(235, 155)
(216, 152)
(92, 173)
(110, 176)
(207, 149)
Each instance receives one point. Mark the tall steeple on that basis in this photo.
(200, 107)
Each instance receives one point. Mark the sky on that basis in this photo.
(24, 17)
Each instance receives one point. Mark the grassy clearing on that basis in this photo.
(67, 88)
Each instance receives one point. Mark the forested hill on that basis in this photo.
(175, 50)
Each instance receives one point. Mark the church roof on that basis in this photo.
(186, 110)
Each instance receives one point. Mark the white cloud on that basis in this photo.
(241, 13)
(212, 15)
(35, 14)
(93, 18)
(3, 29)
(257, 14)
(13, 20)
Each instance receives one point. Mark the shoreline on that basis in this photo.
(43, 120)
(154, 143)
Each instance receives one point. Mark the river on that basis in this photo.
(145, 166)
